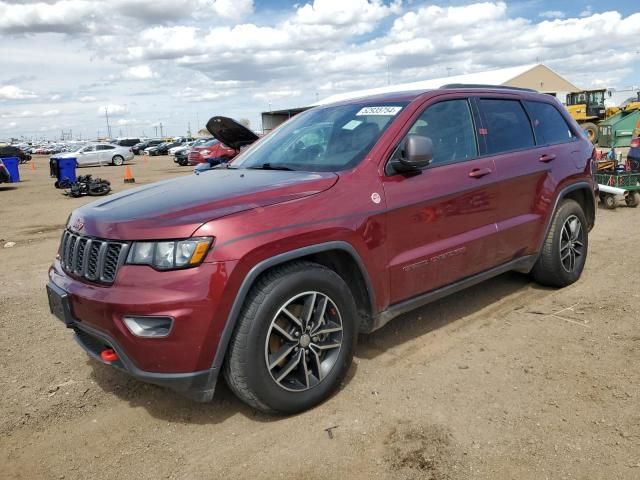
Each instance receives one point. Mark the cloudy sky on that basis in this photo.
(177, 62)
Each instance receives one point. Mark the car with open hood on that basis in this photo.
(266, 269)
(229, 138)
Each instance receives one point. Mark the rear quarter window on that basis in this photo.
(549, 124)
(507, 125)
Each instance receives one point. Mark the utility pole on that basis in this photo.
(188, 129)
(449, 71)
(161, 134)
(156, 127)
(106, 114)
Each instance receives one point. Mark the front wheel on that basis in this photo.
(564, 251)
(294, 340)
(117, 160)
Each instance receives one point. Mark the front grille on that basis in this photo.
(95, 259)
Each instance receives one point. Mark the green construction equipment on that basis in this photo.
(617, 130)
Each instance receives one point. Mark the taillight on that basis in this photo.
(635, 143)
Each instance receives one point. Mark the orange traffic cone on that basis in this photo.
(32, 165)
(128, 176)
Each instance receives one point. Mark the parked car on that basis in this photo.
(161, 149)
(4, 173)
(13, 151)
(181, 155)
(139, 148)
(633, 157)
(127, 142)
(345, 217)
(172, 151)
(98, 154)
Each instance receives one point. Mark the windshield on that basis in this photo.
(324, 139)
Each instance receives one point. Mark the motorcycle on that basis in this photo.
(87, 185)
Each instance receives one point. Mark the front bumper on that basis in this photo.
(182, 361)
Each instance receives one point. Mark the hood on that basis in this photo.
(230, 132)
(176, 208)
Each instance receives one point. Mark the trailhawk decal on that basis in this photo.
(436, 258)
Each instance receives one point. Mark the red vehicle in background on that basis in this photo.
(230, 138)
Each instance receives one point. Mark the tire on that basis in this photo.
(552, 269)
(632, 199)
(117, 160)
(592, 131)
(609, 201)
(257, 340)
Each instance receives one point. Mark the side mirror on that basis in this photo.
(415, 154)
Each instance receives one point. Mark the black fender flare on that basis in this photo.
(561, 195)
(271, 262)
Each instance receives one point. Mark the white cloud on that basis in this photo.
(139, 72)
(51, 113)
(113, 110)
(232, 9)
(11, 92)
(552, 14)
(41, 16)
(87, 99)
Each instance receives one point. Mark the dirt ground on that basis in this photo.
(506, 380)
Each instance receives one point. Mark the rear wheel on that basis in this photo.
(632, 199)
(564, 251)
(294, 340)
(592, 131)
(117, 160)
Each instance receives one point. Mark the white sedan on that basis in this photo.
(99, 154)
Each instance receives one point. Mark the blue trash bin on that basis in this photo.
(66, 172)
(12, 166)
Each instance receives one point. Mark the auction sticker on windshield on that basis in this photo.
(383, 110)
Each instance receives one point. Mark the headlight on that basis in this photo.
(171, 254)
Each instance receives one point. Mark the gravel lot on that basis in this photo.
(504, 380)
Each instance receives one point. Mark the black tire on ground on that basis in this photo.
(592, 131)
(182, 163)
(632, 199)
(117, 160)
(609, 201)
(246, 370)
(550, 268)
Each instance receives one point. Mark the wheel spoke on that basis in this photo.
(284, 333)
(280, 355)
(563, 257)
(307, 310)
(320, 311)
(327, 346)
(316, 357)
(292, 317)
(293, 363)
(330, 328)
(306, 370)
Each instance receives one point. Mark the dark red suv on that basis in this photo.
(338, 221)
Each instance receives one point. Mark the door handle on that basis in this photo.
(547, 158)
(479, 172)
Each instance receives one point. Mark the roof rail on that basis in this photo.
(479, 85)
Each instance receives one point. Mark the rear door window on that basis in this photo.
(549, 124)
(507, 125)
(449, 125)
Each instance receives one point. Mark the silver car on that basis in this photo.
(99, 154)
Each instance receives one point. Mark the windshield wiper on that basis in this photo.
(269, 166)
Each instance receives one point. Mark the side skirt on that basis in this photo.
(523, 264)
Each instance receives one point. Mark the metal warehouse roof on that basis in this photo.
(522, 76)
